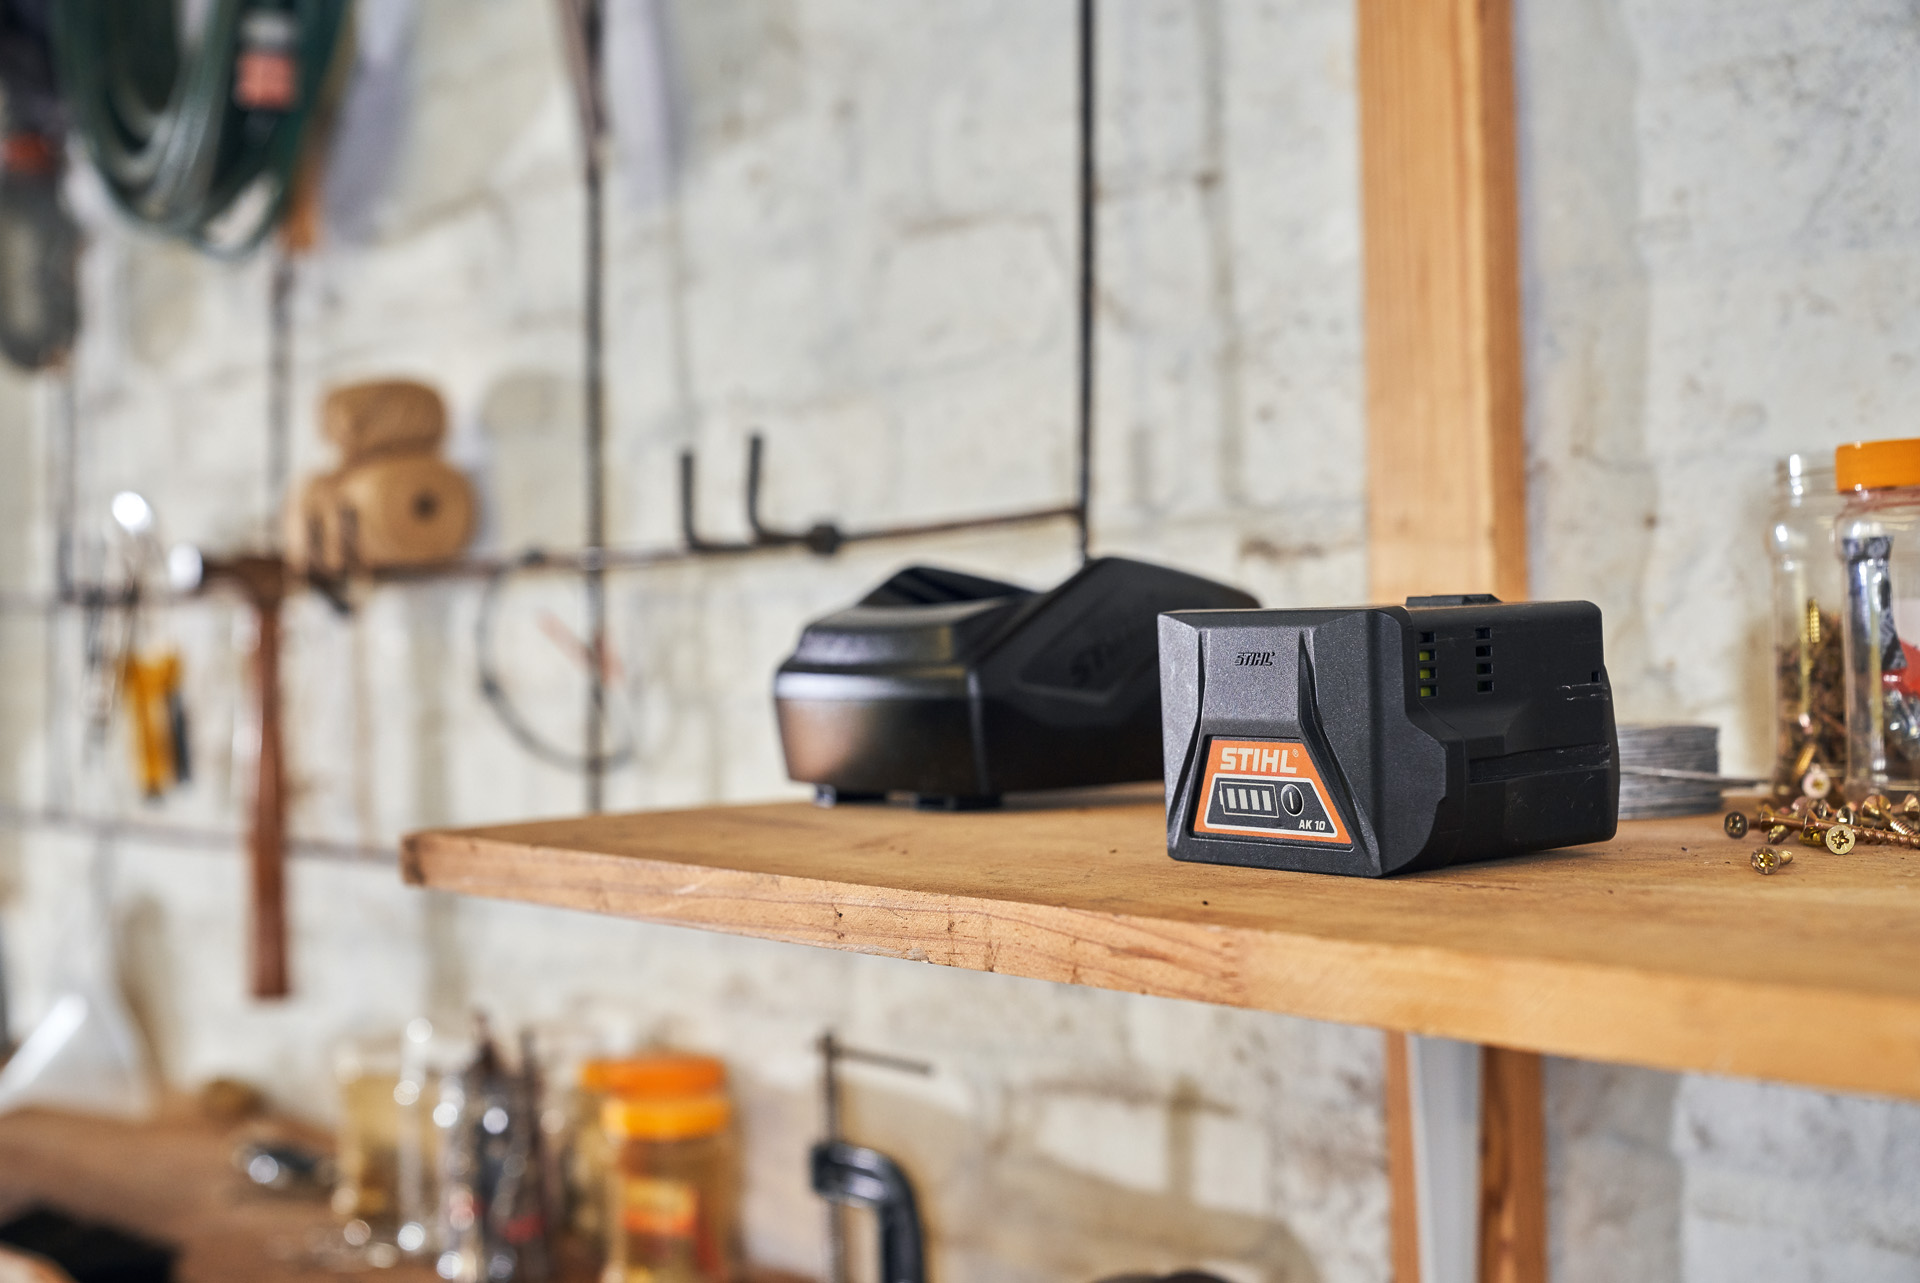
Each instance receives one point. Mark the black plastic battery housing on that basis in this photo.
(1378, 740)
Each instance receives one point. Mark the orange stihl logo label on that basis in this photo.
(1266, 789)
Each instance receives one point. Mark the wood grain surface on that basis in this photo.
(1446, 483)
(1442, 264)
(171, 1181)
(1513, 1167)
(1403, 1176)
(1660, 948)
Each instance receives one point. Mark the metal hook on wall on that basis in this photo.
(823, 538)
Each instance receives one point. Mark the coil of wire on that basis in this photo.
(194, 111)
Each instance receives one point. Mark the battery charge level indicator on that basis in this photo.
(1237, 798)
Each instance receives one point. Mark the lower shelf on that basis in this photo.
(170, 1180)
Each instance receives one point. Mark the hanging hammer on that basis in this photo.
(263, 582)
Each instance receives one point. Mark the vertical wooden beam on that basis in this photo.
(1513, 1168)
(1447, 459)
(1403, 1177)
(1444, 391)
(267, 838)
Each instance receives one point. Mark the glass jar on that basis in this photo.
(672, 1180)
(591, 1155)
(367, 1143)
(1877, 537)
(429, 1061)
(1809, 600)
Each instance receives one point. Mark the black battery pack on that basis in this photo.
(1384, 739)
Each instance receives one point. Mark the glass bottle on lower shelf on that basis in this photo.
(1810, 718)
(366, 1190)
(1878, 539)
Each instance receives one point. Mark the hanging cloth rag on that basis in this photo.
(637, 75)
(370, 127)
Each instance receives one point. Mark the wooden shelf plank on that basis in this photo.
(1660, 948)
(172, 1180)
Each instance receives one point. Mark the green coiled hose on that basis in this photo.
(186, 140)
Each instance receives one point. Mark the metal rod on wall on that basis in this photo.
(60, 820)
(279, 385)
(1089, 194)
(582, 25)
(596, 585)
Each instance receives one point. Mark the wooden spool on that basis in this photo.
(403, 510)
(389, 416)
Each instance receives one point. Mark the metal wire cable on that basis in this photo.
(596, 762)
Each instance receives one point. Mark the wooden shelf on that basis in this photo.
(1660, 948)
(171, 1180)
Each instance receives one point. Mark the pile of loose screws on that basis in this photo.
(1876, 821)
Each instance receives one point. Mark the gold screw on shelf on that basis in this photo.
(1735, 824)
(1840, 839)
(1777, 834)
(1766, 860)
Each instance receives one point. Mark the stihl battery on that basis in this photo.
(1383, 739)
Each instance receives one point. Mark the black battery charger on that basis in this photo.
(956, 689)
(1378, 740)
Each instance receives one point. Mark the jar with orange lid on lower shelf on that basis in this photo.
(673, 1177)
(1877, 538)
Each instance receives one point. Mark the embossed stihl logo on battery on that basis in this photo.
(1254, 659)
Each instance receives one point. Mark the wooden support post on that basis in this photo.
(1513, 1168)
(1446, 453)
(1403, 1168)
(1447, 498)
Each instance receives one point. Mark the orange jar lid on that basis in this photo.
(665, 1117)
(1876, 465)
(667, 1073)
